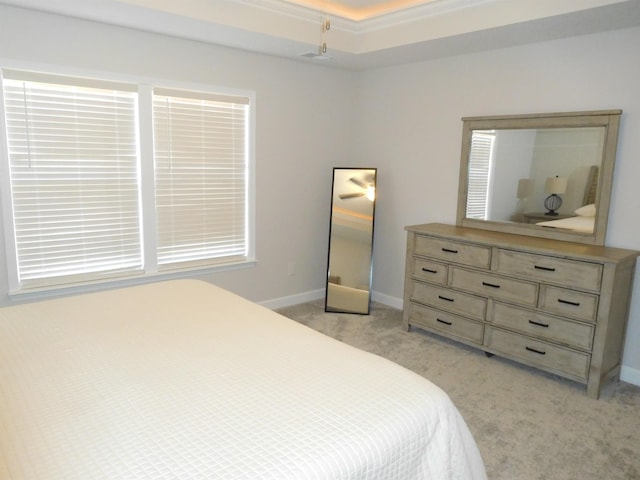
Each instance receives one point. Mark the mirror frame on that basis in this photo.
(609, 119)
(345, 291)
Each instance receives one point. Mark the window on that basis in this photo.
(480, 163)
(200, 171)
(78, 190)
(73, 162)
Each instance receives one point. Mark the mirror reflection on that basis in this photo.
(545, 175)
(348, 287)
(556, 174)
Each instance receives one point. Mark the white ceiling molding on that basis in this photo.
(415, 26)
(414, 32)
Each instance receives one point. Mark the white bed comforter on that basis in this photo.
(183, 380)
(577, 224)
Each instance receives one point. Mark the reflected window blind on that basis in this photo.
(73, 159)
(479, 169)
(200, 144)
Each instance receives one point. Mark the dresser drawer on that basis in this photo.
(547, 327)
(561, 271)
(447, 323)
(538, 353)
(494, 286)
(449, 300)
(569, 303)
(430, 271)
(456, 252)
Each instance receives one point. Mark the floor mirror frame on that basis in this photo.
(350, 252)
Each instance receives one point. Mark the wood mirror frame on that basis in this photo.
(607, 119)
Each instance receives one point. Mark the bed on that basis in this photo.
(584, 220)
(575, 224)
(184, 380)
(347, 299)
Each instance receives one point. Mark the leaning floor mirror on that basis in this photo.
(349, 269)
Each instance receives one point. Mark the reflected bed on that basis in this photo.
(347, 299)
(575, 224)
(184, 380)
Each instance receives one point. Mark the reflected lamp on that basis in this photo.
(554, 187)
(525, 188)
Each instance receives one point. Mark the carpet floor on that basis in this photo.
(528, 424)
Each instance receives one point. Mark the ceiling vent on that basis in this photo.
(316, 56)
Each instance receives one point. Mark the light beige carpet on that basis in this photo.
(528, 424)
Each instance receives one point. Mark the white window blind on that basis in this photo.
(480, 158)
(201, 160)
(73, 161)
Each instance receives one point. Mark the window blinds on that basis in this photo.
(73, 160)
(480, 158)
(200, 144)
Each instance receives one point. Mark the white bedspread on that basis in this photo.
(577, 224)
(347, 299)
(183, 380)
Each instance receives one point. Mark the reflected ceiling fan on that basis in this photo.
(367, 186)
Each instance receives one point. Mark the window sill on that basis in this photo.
(61, 290)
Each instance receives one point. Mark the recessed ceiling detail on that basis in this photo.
(364, 33)
(358, 10)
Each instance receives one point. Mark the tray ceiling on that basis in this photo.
(363, 33)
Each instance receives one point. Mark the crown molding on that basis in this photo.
(357, 24)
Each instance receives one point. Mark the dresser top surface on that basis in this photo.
(522, 242)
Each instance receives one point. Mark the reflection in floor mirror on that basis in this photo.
(349, 269)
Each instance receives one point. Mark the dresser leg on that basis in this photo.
(489, 354)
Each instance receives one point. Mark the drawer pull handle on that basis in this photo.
(445, 298)
(448, 250)
(444, 321)
(533, 322)
(428, 270)
(492, 285)
(539, 352)
(568, 302)
(546, 269)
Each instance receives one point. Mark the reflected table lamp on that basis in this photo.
(554, 187)
(525, 188)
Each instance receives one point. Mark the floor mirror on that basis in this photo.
(350, 260)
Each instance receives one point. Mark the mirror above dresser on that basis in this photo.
(540, 175)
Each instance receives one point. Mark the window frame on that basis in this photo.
(220, 121)
(150, 268)
(480, 158)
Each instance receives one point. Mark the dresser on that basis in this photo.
(557, 306)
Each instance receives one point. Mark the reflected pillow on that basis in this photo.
(587, 211)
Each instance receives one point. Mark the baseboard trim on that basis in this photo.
(312, 295)
(293, 299)
(630, 375)
(387, 300)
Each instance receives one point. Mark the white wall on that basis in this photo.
(409, 125)
(304, 129)
(506, 173)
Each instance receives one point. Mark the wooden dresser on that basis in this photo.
(558, 306)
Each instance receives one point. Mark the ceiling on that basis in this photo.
(358, 10)
(363, 33)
